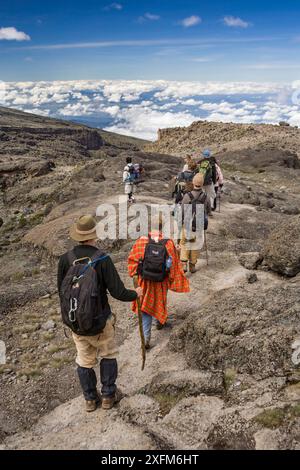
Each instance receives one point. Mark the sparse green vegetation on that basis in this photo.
(48, 336)
(275, 417)
(168, 401)
(27, 328)
(30, 372)
(271, 419)
(5, 367)
(42, 363)
(55, 349)
(22, 221)
(31, 316)
(229, 377)
(57, 363)
(36, 219)
(35, 272)
(17, 276)
(295, 410)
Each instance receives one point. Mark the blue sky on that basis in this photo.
(142, 39)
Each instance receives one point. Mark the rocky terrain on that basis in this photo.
(224, 374)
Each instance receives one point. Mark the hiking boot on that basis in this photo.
(192, 268)
(109, 402)
(147, 344)
(92, 405)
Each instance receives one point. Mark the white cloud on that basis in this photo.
(191, 21)
(152, 17)
(77, 109)
(144, 122)
(113, 6)
(140, 107)
(171, 42)
(149, 17)
(12, 34)
(235, 22)
(272, 66)
(203, 60)
(187, 89)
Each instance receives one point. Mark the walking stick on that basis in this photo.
(219, 191)
(135, 283)
(205, 244)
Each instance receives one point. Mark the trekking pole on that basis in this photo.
(205, 244)
(219, 190)
(135, 283)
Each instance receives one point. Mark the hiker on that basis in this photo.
(155, 260)
(208, 170)
(184, 180)
(136, 172)
(85, 310)
(192, 239)
(129, 179)
(187, 161)
(219, 182)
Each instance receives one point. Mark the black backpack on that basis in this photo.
(194, 201)
(80, 299)
(153, 266)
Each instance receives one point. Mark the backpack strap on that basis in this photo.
(98, 256)
(191, 197)
(71, 257)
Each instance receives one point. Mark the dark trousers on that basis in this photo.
(216, 198)
(108, 377)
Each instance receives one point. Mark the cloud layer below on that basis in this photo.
(140, 108)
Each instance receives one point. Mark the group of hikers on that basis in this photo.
(157, 264)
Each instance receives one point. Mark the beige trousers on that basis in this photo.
(90, 348)
(186, 251)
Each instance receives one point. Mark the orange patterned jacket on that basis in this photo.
(154, 301)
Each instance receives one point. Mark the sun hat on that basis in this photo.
(198, 181)
(84, 229)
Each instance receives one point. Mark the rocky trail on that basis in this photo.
(224, 373)
(169, 404)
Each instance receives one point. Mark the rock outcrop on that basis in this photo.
(282, 248)
(244, 330)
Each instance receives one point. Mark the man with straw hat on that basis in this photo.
(99, 339)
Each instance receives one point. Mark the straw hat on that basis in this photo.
(198, 181)
(84, 229)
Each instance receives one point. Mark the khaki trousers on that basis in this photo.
(186, 251)
(90, 348)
